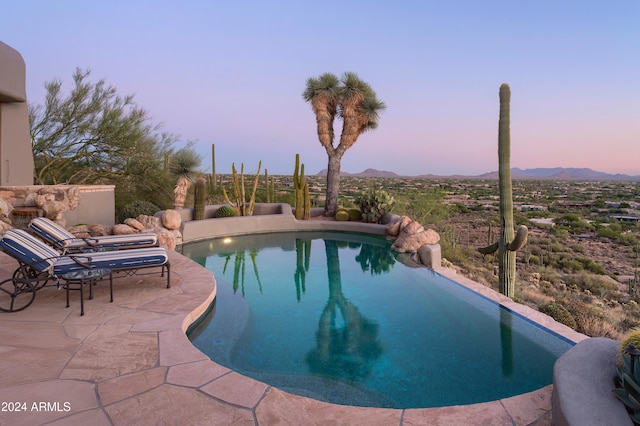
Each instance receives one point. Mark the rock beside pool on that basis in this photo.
(409, 235)
(171, 219)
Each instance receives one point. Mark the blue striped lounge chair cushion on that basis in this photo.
(51, 231)
(24, 247)
(63, 239)
(145, 239)
(115, 260)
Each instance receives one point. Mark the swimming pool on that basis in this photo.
(341, 318)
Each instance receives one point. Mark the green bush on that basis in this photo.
(137, 208)
(558, 313)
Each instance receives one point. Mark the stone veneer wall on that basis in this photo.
(96, 204)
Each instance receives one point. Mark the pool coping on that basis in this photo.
(131, 362)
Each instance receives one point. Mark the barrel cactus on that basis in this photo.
(374, 203)
(225, 211)
(355, 215)
(342, 214)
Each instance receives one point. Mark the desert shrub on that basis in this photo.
(559, 313)
(590, 320)
(137, 208)
(595, 284)
(534, 260)
(631, 337)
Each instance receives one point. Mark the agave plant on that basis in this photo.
(629, 381)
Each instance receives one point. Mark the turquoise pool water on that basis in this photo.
(341, 318)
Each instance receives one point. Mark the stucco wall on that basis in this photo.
(16, 155)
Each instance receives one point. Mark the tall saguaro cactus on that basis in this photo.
(199, 198)
(509, 241)
(303, 204)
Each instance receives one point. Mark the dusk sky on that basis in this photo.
(232, 73)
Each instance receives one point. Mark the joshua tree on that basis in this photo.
(183, 166)
(351, 100)
(509, 241)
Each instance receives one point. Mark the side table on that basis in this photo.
(78, 279)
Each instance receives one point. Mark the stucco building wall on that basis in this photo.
(16, 157)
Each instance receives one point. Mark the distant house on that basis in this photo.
(625, 217)
(530, 208)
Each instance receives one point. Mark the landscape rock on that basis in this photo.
(171, 219)
(167, 238)
(412, 242)
(5, 207)
(134, 223)
(98, 230)
(409, 235)
(149, 222)
(123, 229)
(4, 226)
(393, 229)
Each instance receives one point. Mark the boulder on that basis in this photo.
(123, 229)
(171, 219)
(167, 238)
(4, 226)
(97, 230)
(149, 222)
(134, 223)
(412, 242)
(393, 229)
(5, 207)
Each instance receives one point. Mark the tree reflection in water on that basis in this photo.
(239, 267)
(377, 259)
(346, 350)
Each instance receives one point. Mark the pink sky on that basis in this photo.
(232, 74)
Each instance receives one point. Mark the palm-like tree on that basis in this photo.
(351, 100)
(183, 166)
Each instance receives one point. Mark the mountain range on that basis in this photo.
(553, 173)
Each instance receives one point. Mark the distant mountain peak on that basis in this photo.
(366, 173)
(549, 173)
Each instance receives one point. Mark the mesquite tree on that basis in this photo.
(351, 100)
(510, 241)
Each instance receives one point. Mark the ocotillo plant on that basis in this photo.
(199, 198)
(239, 194)
(509, 241)
(303, 203)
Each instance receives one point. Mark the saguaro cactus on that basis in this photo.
(199, 198)
(303, 203)
(509, 241)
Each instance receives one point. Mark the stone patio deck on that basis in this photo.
(130, 362)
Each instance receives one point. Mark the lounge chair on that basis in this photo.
(65, 241)
(39, 263)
